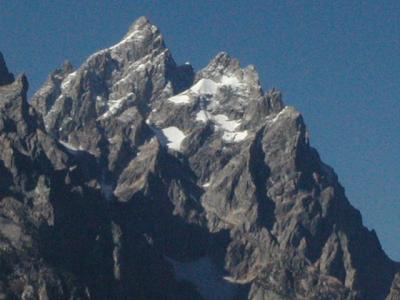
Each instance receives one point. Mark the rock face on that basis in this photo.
(132, 177)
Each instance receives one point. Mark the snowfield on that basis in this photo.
(175, 136)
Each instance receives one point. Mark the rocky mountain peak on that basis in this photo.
(155, 182)
(227, 71)
(140, 24)
(5, 76)
(136, 71)
(45, 97)
(15, 113)
(66, 67)
(221, 64)
(142, 38)
(18, 86)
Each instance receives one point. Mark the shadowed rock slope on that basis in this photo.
(132, 177)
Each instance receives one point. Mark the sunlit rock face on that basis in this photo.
(132, 177)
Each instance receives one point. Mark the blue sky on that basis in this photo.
(336, 61)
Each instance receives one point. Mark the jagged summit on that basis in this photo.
(18, 84)
(139, 23)
(21, 82)
(66, 67)
(142, 23)
(45, 97)
(221, 64)
(150, 181)
(142, 38)
(5, 76)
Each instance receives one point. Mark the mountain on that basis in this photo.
(133, 177)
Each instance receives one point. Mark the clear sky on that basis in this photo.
(336, 61)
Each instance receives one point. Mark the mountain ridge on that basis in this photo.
(175, 172)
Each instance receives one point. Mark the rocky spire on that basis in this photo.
(142, 39)
(141, 23)
(5, 76)
(45, 97)
(221, 64)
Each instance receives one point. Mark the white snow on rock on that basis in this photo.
(234, 137)
(181, 98)
(67, 81)
(222, 122)
(202, 116)
(69, 146)
(206, 87)
(231, 81)
(174, 136)
(206, 277)
(278, 115)
(226, 124)
(136, 35)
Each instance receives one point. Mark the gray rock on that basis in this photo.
(45, 97)
(395, 289)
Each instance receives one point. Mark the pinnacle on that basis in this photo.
(221, 64)
(275, 98)
(225, 60)
(67, 66)
(141, 21)
(140, 24)
(142, 31)
(22, 82)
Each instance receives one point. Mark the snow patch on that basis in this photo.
(234, 137)
(66, 83)
(69, 147)
(205, 86)
(174, 136)
(231, 81)
(179, 99)
(226, 124)
(229, 127)
(202, 116)
(223, 123)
